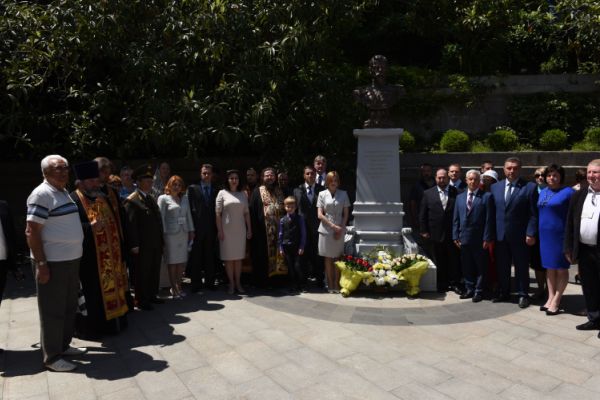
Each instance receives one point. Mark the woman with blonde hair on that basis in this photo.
(178, 228)
(333, 210)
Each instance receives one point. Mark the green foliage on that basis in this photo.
(584, 145)
(553, 139)
(407, 142)
(146, 78)
(480, 147)
(592, 135)
(537, 113)
(454, 140)
(504, 139)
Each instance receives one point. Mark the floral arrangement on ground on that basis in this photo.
(382, 268)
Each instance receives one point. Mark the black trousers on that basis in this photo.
(202, 261)
(589, 269)
(312, 264)
(147, 274)
(292, 260)
(447, 261)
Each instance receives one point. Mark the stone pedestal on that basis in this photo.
(378, 210)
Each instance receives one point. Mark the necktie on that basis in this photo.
(320, 181)
(309, 191)
(470, 202)
(206, 193)
(508, 193)
(444, 199)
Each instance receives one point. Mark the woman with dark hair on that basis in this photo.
(333, 209)
(553, 205)
(178, 228)
(233, 228)
(535, 260)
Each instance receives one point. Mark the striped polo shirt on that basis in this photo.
(62, 235)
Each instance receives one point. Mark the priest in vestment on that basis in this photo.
(102, 270)
(266, 209)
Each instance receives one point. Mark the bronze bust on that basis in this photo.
(378, 97)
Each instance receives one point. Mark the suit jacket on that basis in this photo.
(519, 217)
(171, 211)
(144, 223)
(203, 210)
(9, 233)
(307, 208)
(433, 219)
(462, 186)
(477, 225)
(571, 241)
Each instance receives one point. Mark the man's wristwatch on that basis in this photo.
(41, 263)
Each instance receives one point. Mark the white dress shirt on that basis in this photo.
(588, 229)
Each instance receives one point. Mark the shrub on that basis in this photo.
(407, 142)
(584, 145)
(503, 140)
(480, 147)
(592, 135)
(454, 140)
(553, 139)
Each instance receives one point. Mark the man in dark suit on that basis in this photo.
(582, 242)
(306, 198)
(472, 232)
(202, 198)
(144, 238)
(515, 201)
(455, 175)
(435, 225)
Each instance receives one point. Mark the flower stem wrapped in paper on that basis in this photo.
(410, 270)
(353, 271)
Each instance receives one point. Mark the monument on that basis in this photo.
(378, 210)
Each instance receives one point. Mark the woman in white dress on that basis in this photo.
(233, 228)
(178, 228)
(333, 209)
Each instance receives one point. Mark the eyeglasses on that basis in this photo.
(60, 168)
(537, 175)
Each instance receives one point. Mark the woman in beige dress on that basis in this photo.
(333, 208)
(233, 228)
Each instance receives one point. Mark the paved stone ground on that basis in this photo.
(314, 346)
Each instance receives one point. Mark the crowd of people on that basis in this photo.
(476, 230)
(98, 250)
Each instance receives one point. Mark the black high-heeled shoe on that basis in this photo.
(577, 279)
(543, 308)
(548, 312)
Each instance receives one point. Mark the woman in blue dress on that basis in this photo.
(553, 205)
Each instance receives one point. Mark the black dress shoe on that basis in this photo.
(457, 289)
(466, 295)
(501, 298)
(146, 307)
(588, 326)
(523, 302)
(156, 300)
(477, 298)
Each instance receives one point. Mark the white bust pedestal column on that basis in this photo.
(378, 211)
